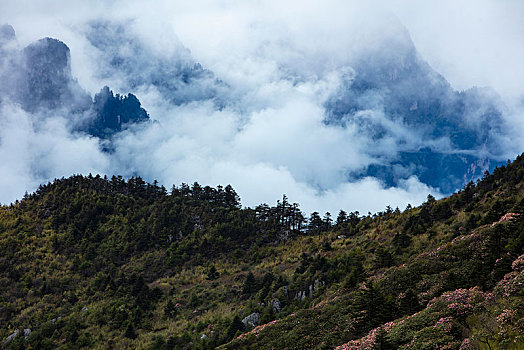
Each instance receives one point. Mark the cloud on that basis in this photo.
(284, 147)
(278, 63)
(471, 42)
(36, 148)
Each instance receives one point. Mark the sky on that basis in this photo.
(280, 61)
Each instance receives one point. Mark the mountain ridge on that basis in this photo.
(40, 80)
(457, 127)
(144, 268)
(393, 97)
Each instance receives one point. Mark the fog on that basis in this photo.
(257, 119)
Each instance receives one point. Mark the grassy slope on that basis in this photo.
(104, 262)
(449, 257)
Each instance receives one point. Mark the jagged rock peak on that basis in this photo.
(48, 51)
(47, 74)
(113, 112)
(7, 33)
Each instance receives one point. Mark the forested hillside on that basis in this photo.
(91, 262)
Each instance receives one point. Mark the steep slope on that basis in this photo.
(135, 64)
(414, 122)
(39, 76)
(94, 262)
(392, 88)
(39, 79)
(445, 275)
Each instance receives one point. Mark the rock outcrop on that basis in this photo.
(39, 79)
(251, 320)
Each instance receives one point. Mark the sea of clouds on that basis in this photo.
(273, 66)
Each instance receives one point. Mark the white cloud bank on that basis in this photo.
(282, 59)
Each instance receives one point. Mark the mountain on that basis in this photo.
(447, 137)
(89, 262)
(7, 33)
(39, 76)
(114, 113)
(39, 79)
(45, 77)
(414, 121)
(131, 60)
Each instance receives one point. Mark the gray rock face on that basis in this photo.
(113, 113)
(392, 78)
(177, 76)
(276, 305)
(45, 79)
(301, 295)
(7, 33)
(251, 320)
(318, 284)
(26, 333)
(10, 337)
(39, 78)
(311, 289)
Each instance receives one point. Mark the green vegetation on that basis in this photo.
(91, 262)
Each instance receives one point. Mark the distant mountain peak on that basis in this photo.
(7, 33)
(39, 78)
(392, 80)
(129, 59)
(47, 66)
(114, 112)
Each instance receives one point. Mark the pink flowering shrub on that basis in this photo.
(444, 324)
(370, 341)
(518, 264)
(507, 217)
(460, 303)
(466, 345)
(257, 329)
(511, 285)
(439, 326)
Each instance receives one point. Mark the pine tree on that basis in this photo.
(235, 326)
(341, 218)
(130, 331)
(250, 284)
(170, 309)
(212, 274)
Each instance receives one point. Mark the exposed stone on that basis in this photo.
(251, 320)
(276, 305)
(311, 289)
(10, 337)
(7, 33)
(27, 333)
(301, 295)
(318, 284)
(283, 235)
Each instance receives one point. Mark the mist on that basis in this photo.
(255, 115)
